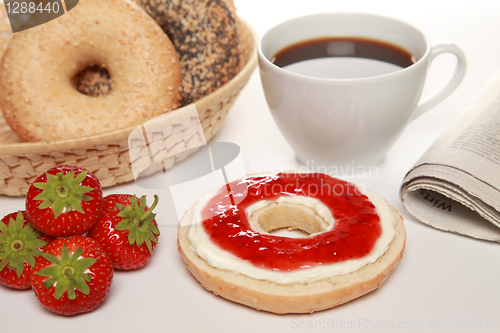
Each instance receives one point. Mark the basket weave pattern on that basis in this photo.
(107, 155)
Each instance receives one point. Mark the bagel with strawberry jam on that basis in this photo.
(355, 241)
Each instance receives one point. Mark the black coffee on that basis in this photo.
(343, 57)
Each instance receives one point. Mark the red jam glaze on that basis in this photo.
(357, 224)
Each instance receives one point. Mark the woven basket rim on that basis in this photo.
(119, 134)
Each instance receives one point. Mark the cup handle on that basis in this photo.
(448, 87)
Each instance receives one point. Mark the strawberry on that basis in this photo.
(127, 230)
(64, 201)
(20, 244)
(72, 276)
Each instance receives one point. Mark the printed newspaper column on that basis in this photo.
(168, 140)
(455, 186)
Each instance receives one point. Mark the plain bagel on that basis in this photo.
(292, 297)
(39, 97)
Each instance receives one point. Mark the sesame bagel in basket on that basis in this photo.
(37, 90)
(106, 154)
(355, 241)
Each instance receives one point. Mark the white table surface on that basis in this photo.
(445, 282)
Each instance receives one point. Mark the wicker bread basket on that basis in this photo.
(107, 155)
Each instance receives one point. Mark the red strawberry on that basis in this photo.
(72, 276)
(20, 244)
(64, 201)
(127, 230)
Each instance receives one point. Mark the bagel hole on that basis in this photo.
(286, 232)
(288, 220)
(93, 81)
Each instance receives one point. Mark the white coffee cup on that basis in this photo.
(349, 121)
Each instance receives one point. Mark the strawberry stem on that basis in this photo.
(69, 273)
(137, 222)
(16, 245)
(150, 210)
(62, 191)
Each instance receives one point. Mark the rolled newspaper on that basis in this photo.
(455, 185)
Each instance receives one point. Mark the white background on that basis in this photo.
(445, 282)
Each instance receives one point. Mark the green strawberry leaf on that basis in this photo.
(36, 244)
(49, 282)
(76, 254)
(71, 294)
(74, 204)
(12, 227)
(142, 201)
(18, 222)
(51, 178)
(78, 179)
(18, 266)
(82, 189)
(65, 253)
(50, 257)
(87, 277)
(42, 186)
(154, 229)
(3, 228)
(3, 264)
(46, 204)
(48, 271)
(82, 286)
(149, 246)
(31, 232)
(60, 289)
(132, 236)
(123, 224)
(58, 207)
(31, 261)
(82, 264)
